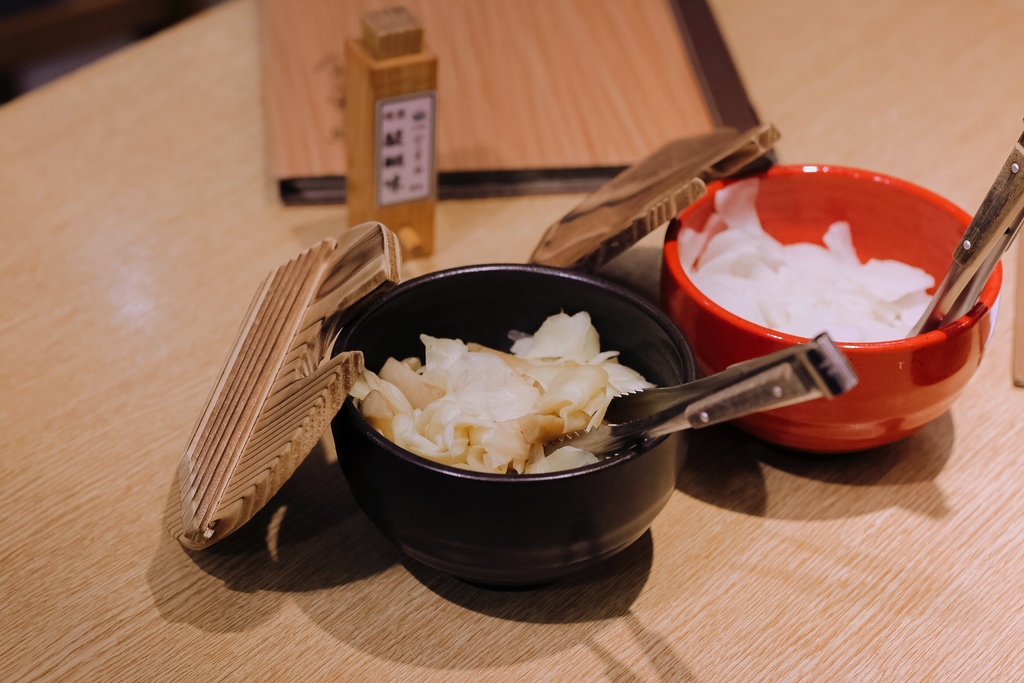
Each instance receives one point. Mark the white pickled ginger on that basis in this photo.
(801, 289)
(477, 408)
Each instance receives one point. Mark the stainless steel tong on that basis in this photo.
(989, 234)
(814, 369)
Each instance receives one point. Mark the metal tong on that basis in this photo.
(814, 369)
(989, 234)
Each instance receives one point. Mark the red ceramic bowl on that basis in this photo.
(904, 384)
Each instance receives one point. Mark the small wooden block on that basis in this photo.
(392, 32)
(390, 134)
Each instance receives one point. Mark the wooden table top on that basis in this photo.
(138, 216)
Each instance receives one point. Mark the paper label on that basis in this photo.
(405, 148)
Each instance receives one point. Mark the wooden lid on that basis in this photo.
(279, 388)
(648, 195)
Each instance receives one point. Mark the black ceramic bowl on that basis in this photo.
(509, 529)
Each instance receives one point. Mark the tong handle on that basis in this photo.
(989, 234)
(815, 369)
(1000, 212)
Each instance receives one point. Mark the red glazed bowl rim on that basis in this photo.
(986, 301)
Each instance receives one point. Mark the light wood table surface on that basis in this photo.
(138, 216)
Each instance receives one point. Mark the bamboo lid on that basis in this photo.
(648, 195)
(279, 387)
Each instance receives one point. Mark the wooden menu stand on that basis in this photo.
(390, 128)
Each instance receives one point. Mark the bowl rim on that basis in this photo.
(678, 339)
(987, 300)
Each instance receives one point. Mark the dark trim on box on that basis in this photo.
(466, 184)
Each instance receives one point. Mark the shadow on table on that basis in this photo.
(472, 627)
(310, 536)
(605, 591)
(728, 468)
(312, 547)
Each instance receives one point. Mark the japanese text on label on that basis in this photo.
(405, 148)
